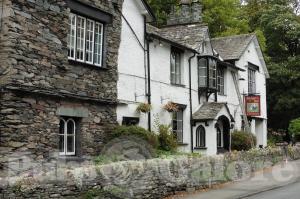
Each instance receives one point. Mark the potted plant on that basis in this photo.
(171, 107)
(143, 108)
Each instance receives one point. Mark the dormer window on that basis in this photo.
(207, 73)
(85, 40)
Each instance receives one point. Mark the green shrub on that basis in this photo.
(166, 138)
(241, 141)
(140, 132)
(294, 127)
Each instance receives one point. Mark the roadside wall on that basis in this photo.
(154, 178)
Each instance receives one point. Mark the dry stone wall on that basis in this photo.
(155, 178)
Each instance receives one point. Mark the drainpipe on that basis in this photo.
(191, 108)
(148, 73)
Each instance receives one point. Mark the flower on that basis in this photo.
(171, 107)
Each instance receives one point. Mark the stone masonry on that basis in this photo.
(156, 178)
(39, 85)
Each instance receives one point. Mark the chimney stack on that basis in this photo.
(189, 12)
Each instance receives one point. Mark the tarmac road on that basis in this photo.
(280, 182)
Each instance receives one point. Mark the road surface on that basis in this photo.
(290, 191)
(280, 182)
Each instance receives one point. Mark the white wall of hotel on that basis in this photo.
(131, 84)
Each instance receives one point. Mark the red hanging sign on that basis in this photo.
(252, 105)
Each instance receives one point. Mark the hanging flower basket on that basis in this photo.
(171, 107)
(143, 108)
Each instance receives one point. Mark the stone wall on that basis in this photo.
(155, 178)
(38, 85)
(34, 36)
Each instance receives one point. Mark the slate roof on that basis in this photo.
(188, 36)
(209, 111)
(232, 47)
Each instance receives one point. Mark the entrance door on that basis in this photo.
(223, 134)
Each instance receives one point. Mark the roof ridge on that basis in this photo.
(234, 36)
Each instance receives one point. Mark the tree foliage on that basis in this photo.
(224, 17)
(294, 127)
(162, 9)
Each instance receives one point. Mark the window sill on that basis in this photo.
(178, 85)
(200, 148)
(77, 63)
(182, 144)
(70, 158)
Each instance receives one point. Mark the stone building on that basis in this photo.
(58, 66)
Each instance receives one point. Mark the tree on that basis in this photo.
(294, 128)
(224, 17)
(282, 29)
(162, 9)
(283, 92)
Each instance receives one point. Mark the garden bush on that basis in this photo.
(294, 129)
(241, 141)
(140, 132)
(167, 140)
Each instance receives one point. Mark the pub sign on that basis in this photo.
(252, 105)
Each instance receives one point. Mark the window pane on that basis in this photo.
(71, 127)
(202, 137)
(98, 44)
(61, 143)
(89, 41)
(202, 72)
(175, 67)
(72, 36)
(61, 126)
(80, 38)
(70, 143)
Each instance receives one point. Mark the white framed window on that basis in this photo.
(221, 82)
(85, 40)
(251, 81)
(98, 43)
(177, 125)
(67, 131)
(200, 137)
(175, 66)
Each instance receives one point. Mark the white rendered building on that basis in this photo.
(207, 79)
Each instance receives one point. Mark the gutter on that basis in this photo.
(155, 36)
(191, 108)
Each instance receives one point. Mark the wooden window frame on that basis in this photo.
(66, 135)
(85, 40)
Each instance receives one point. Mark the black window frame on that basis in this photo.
(130, 121)
(211, 78)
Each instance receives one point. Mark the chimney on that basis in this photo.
(189, 12)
